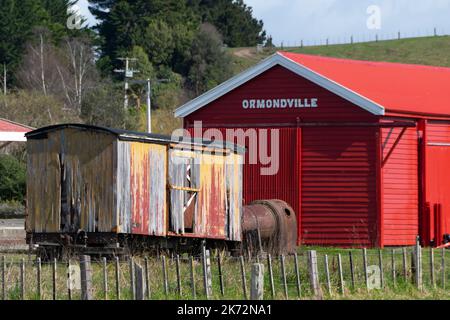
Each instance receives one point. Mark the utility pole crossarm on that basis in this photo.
(128, 74)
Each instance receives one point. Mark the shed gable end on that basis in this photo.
(279, 95)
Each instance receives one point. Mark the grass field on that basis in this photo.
(433, 51)
(402, 287)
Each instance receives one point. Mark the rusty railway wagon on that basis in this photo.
(96, 190)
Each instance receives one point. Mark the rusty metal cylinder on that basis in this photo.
(273, 224)
(260, 216)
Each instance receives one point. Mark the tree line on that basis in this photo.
(50, 73)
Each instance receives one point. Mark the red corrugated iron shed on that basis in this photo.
(364, 146)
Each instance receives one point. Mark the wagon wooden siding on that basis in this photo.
(400, 186)
(234, 179)
(141, 188)
(99, 180)
(78, 175)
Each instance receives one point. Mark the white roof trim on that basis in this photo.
(279, 59)
(12, 137)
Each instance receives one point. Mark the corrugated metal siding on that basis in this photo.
(437, 182)
(280, 83)
(83, 170)
(283, 185)
(339, 186)
(400, 186)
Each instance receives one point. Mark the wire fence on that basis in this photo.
(339, 274)
(371, 36)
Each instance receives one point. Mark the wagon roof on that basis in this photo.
(137, 136)
(380, 88)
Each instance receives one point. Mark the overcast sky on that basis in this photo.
(290, 21)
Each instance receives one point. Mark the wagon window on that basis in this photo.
(184, 188)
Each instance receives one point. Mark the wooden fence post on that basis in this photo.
(117, 273)
(86, 278)
(22, 279)
(341, 275)
(54, 278)
(380, 261)
(432, 278)
(3, 278)
(443, 275)
(418, 265)
(38, 276)
(352, 270)
(327, 274)
(165, 280)
(105, 279)
(297, 273)
(405, 267)
(69, 281)
(207, 276)
(139, 282)
(394, 275)
(132, 277)
(366, 275)
(221, 282)
(244, 279)
(179, 288)
(283, 276)
(194, 293)
(257, 286)
(314, 274)
(147, 279)
(272, 285)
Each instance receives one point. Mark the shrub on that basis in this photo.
(12, 179)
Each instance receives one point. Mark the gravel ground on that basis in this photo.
(12, 234)
(12, 223)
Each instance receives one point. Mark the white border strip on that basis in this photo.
(13, 137)
(437, 144)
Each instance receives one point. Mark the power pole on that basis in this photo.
(129, 74)
(149, 99)
(149, 106)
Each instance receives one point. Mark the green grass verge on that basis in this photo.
(398, 285)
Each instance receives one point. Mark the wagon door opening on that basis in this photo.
(184, 175)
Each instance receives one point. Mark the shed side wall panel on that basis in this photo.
(339, 203)
(400, 186)
(437, 183)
